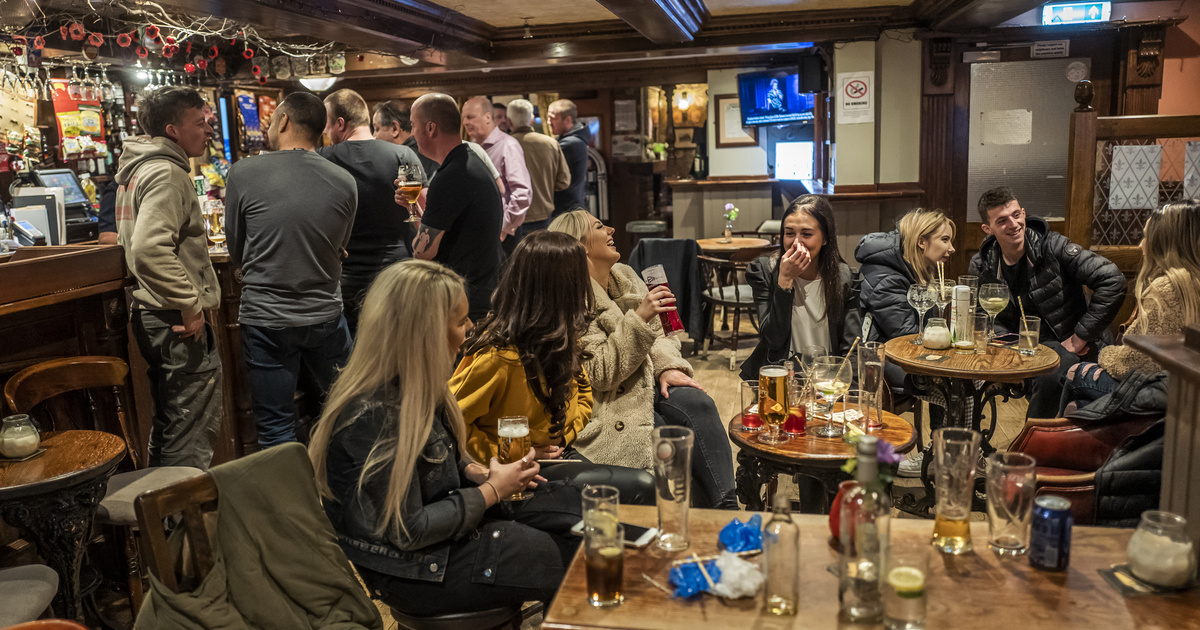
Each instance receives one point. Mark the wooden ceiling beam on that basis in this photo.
(661, 21)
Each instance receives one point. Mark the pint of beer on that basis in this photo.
(512, 444)
(773, 404)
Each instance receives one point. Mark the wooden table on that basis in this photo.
(1002, 370)
(974, 590)
(54, 497)
(714, 246)
(810, 455)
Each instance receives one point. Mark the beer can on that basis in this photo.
(1050, 548)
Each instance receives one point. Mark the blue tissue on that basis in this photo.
(689, 581)
(738, 536)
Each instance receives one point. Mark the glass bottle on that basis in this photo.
(865, 525)
(781, 547)
(1160, 551)
(18, 437)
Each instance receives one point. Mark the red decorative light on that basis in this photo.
(124, 40)
(151, 31)
(141, 51)
(189, 68)
(202, 64)
(77, 31)
(248, 53)
(95, 39)
(39, 42)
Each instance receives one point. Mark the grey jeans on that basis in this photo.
(185, 383)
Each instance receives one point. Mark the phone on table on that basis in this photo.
(1004, 340)
(635, 535)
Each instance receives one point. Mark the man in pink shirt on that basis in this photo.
(508, 156)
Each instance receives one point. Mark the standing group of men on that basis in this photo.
(311, 227)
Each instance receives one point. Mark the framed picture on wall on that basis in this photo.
(730, 132)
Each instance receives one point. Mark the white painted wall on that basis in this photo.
(898, 84)
(739, 161)
(855, 149)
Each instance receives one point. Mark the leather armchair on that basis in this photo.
(1068, 455)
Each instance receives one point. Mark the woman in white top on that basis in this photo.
(805, 293)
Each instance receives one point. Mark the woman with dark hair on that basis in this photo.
(525, 358)
(805, 293)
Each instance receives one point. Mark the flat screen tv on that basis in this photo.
(774, 98)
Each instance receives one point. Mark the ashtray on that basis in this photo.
(37, 453)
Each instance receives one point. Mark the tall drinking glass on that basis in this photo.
(1031, 332)
(831, 376)
(955, 453)
(1011, 481)
(904, 588)
(980, 328)
(973, 282)
(600, 506)
(410, 187)
(773, 404)
(808, 359)
(993, 298)
(871, 360)
(604, 554)
(920, 298)
(673, 480)
(512, 444)
(751, 421)
(964, 333)
(797, 414)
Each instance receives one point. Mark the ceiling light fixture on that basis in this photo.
(318, 84)
(528, 33)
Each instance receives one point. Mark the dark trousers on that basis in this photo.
(274, 357)
(636, 486)
(1046, 390)
(519, 553)
(358, 272)
(712, 455)
(185, 384)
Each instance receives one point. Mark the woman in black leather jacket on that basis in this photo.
(804, 289)
(422, 522)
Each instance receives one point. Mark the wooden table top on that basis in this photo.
(812, 449)
(71, 457)
(1003, 365)
(972, 590)
(713, 245)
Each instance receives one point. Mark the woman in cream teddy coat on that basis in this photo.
(639, 378)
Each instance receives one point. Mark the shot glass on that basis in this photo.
(955, 454)
(673, 481)
(751, 421)
(604, 554)
(600, 505)
(1011, 481)
(1031, 330)
(904, 588)
(981, 332)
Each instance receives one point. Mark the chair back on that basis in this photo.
(722, 282)
(45, 382)
(747, 254)
(195, 500)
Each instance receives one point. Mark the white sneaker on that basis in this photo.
(911, 466)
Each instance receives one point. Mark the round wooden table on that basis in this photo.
(54, 497)
(1003, 372)
(808, 455)
(714, 246)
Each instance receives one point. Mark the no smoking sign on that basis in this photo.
(856, 102)
(856, 89)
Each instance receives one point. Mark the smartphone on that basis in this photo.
(1004, 340)
(635, 535)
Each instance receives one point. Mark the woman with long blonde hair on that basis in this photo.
(1168, 300)
(393, 469)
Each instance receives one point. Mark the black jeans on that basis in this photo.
(274, 358)
(358, 272)
(636, 486)
(519, 553)
(712, 455)
(185, 384)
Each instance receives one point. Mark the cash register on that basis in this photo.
(81, 221)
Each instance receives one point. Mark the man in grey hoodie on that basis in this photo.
(160, 225)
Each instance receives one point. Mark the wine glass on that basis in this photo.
(410, 187)
(920, 298)
(994, 299)
(831, 375)
(808, 359)
(944, 294)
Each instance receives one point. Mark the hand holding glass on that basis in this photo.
(512, 444)
(410, 186)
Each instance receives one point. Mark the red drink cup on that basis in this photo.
(751, 421)
(655, 277)
(794, 425)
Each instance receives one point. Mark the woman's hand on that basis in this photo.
(793, 263)
(476, 473)
(519, 475)
(550, 451)
(659, 300)
(677, 378)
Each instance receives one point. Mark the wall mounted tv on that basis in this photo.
(776, 97)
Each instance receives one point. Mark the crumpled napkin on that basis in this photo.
(740, 578)
(738, 536)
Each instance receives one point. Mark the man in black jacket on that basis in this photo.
(574, 137)
(1048, 273)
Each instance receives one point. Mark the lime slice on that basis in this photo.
(610, 552)
(909, 582)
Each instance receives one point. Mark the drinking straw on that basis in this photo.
(848, 353)
(704, 572)
(1020, 304)
(656, 583)
(741, 554)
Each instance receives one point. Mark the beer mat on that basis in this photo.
(1124, 582)
(28, 457)
(934, 358)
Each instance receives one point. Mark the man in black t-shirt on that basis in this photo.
(381, 234)
(460, 227)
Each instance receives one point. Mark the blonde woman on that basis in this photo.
(1168, 300)
(421, 521)
(639, 378)
(893, 261)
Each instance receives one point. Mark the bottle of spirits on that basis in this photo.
(781, 547)
(865, 525)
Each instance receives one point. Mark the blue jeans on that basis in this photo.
(1090, 382)
(274, 357)
(1046, 390)
(712, 455)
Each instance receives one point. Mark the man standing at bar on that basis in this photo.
(392, 123)
(166, 249)
(574, 138)
(381, 234)
(1048, 273)
(506, 153)
(288, 219)
(548, 170)
(500, 115)
(461, 224)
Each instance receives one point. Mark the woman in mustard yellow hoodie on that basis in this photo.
(525, 359)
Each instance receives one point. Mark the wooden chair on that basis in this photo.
(768, 229)
(45, 382)
(724, 288)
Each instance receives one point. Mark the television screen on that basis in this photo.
(773, 98)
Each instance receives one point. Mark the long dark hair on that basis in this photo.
(543, 306)
(829, 261)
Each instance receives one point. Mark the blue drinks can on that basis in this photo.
(1050, 549)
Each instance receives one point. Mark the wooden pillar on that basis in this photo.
(1180, 492)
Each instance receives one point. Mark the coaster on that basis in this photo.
(934, 358)
(1124, 582)
(37, 453)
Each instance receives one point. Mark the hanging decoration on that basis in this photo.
(213, 52)
(142, 52)
(95, 39)
(151, 31)
(189, 68)
(77, 31)
(124, 40)
(39, 42)
(248, 53)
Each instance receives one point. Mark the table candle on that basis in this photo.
(937, 334)
(19, 445)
